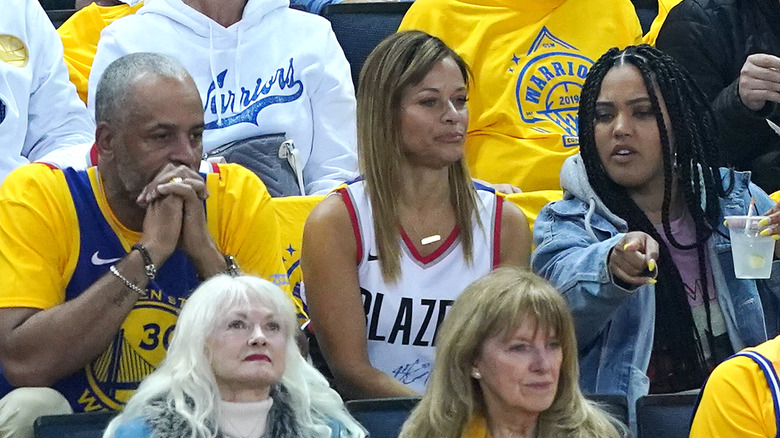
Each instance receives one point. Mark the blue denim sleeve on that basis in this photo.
(576, 264)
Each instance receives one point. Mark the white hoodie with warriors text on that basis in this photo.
(277, 70)
(40, 111)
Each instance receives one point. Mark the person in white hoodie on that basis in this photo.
(39, 109)
(260, 67)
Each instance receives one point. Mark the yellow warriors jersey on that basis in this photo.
(529, 59)
(59, 235)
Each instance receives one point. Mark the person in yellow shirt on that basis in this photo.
(664, 6)
(96, 263)
(81, 32)
(529, 59)
(741, 396)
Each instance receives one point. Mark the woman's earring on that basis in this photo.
(475, 374)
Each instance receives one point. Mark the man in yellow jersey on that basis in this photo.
(96, 264)
(742, 396)
(529, 59)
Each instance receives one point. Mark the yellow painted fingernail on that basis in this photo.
(763, 222)
(625, 247)
(651, 265)
(652, 281)
(725, 223)
(764, 232)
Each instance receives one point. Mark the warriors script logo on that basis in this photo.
(136, 351)
(232, 106)
(549, 84)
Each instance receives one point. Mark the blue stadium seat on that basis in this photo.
(382, 417)
(665, 415)
(83, 425)
(615, 404)
(59, 16)
(646, 10)
(359, 27)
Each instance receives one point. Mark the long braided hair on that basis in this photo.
(692, 161)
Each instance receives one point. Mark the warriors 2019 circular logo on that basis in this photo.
(548, 86)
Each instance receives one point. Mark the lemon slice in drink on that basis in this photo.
(756, 261)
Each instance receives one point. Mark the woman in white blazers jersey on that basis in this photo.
(260, 67)
(385, 256)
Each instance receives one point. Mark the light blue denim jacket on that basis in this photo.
(614, 326)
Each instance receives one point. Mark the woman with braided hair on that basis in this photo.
(638, 245)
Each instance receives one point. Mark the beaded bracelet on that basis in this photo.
(141, 293)
(151, 270)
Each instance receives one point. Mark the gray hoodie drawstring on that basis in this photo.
(588, 216)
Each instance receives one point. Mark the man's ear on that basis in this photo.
(104, 140)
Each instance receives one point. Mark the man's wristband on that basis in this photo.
(151, 270)
(130, 285)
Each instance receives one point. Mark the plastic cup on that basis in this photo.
(751, 251)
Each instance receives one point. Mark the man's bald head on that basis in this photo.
(112, 97)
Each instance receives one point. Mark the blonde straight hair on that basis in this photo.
(495, 305)
(401, 61)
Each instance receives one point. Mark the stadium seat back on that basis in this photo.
(359, 27)
(382, 417)
(665, 415)
(82, 425)
(615, 404)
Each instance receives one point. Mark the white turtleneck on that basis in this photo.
(244, 420)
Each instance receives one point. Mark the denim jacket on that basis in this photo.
(615, 326)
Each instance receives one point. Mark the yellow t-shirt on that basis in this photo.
(736, 400)
(664, 6)
(39, 238)
(40, 241)
(529, 59)
(80, 35)
(476, 428)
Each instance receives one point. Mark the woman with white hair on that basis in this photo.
(233, 370)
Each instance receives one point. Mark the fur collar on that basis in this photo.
(168, 423)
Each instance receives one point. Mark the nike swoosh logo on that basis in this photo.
(97, 261)
(372, 257)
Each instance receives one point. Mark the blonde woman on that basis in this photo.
(233, 370)
(384, 257)
(510, 372)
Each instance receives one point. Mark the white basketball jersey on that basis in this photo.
(402, 318)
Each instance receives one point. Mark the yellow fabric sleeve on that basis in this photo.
(80, 35)
(775, 196)
(530, 203)
(476, 428)
(736, 401)
(292, 211)
(243, 222)
(39, 237)
(664, 6)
